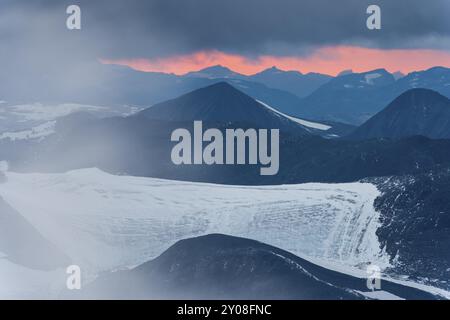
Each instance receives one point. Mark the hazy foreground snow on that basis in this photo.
(105, 222)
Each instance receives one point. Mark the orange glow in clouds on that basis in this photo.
(328, 60)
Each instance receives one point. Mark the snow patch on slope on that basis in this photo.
(43, 112)
(37, 120)
(370, 77)
(38, 132)
(380, 295)
(309, 124)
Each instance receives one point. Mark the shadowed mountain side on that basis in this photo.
(415, 224)
(415, 112)
(223, 267)
(222, 103)
(141, 147)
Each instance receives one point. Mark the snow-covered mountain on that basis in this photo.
(104, 222)
(113, 211)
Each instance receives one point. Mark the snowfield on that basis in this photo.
(39, 132)
(18, 282)
(305, 123)
(105, 222)
(37, 120)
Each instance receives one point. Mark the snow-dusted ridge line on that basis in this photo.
(309, 124)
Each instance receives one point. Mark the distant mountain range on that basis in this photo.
(140, 145)
(215, 72)
(415, 112)
(354, 98)
(293, 82)
(351, 98)
(348, 98)
(402, 147)
(224, 267)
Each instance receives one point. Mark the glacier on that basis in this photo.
(105, 222)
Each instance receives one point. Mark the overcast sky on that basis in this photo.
(33, 33)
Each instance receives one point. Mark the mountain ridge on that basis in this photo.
(415, 112)
(354, 98)
(218, 266)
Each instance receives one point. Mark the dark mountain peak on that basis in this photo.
(216, 67)
(213, 72)
(220, 103)
(380, 70)
(438, 69)
(218, 94)
(220, 86)
(273, 69)
(418, 100)
(276, 71)
(415, 112)
(412, 96)
(225, 267)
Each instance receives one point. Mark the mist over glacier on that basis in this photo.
(104, 222)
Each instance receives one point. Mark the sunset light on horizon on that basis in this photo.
(326, 60)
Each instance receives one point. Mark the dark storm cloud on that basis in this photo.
(152, 28)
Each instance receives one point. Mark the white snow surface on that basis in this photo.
(37, 120)
(380, 295)
(45, 112)
(370, 77)
(309, 124)
(18, 282)
(38, 132)
(105, 222)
